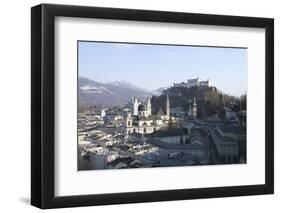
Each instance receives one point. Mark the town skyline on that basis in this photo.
(190, 118)
(151, 133)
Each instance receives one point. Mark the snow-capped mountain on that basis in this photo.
(112, 93)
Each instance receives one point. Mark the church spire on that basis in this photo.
(194, 101)
(148, 106)
(168, 107)
(194, 109)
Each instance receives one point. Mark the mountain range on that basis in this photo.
(111, 93)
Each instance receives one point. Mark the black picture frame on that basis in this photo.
(43, 102)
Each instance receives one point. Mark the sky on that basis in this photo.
(153, 66)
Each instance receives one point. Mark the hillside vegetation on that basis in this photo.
(209, 100)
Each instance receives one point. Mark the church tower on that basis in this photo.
(148, 106)
(136, 104)
(129, 123)
(194, 109)
(102, 114)
(168, 107)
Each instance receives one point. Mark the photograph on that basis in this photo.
(160, 105)
(133, 105)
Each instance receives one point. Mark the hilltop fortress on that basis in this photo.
(193, 83)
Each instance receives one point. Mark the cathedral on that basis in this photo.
(141, 119)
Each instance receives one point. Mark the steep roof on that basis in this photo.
(168, 133)
(180, 147)
(160, 112)
(232, 129)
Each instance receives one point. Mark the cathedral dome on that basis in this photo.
(141, 107)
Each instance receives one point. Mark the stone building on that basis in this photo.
(143, 121)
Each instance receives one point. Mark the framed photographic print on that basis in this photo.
(139, 106)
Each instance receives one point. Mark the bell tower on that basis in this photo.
(194, 109)
(148, 106)
(129, 123)
(168, 107)
(135, 103)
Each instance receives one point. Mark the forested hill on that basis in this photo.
(209, 100)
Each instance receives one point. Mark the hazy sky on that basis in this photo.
(154, 66)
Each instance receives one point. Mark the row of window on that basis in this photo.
(144, 130)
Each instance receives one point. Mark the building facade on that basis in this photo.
(141, 120)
